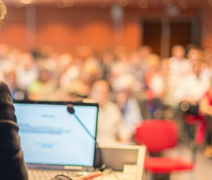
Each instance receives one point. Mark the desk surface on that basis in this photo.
(121, 155)
(111, 176)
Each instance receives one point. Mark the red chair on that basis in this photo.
(160, 135)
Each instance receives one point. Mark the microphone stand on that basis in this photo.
(100, 164)
(84, 127)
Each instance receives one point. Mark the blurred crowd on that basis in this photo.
(129, 86)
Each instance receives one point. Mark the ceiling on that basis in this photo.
(184, 4)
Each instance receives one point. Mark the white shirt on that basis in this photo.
(192, 87)
(26, 77)
(179, 68)
(110, 119)
(157, 84)
(71, 74)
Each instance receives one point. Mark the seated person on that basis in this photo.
(110, 117)
(44, 87)
(191, 89)
(10, 79)
(193, 86)
(155, 87)
(127, 102)
(205, 107)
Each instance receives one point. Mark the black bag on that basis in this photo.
(190, 108)
(61, 177)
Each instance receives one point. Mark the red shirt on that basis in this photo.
(208, 95)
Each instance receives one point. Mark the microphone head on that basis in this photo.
(70, 108)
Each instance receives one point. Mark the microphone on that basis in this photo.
(71, 110)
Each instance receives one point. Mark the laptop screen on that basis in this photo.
(51, 135)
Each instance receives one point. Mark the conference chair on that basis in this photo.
(158, 136)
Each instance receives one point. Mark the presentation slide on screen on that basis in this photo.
(50, 135)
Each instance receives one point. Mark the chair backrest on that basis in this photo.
(157, 135)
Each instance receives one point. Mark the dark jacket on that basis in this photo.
(12, 165)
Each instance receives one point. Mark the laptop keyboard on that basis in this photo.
(47, 174)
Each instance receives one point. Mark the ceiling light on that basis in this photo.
(210, 2)
(26, 1)
(167, 2)
(183, 4)
(60, 5)
(18, 5)
(68, 3)
(103, 4)
(123, 2)
(143, 4)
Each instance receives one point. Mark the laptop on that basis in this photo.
(53, 139)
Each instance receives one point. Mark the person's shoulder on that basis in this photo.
(3, 85)
(111, 104)
(2, 82)
(112, 107)
(4, 90)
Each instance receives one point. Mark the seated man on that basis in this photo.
(191, 89)
(110, 117)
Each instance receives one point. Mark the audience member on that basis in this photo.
(190, 91)
(154, 86)
(206, 109)
(107, 62)
(81, 86)
(44, 87)
(153, 77)
(17, 93)
(110, 117)
(207, 59)
(194, 55)
(27, 71)
(136, 69)
(143, 53)
(67, 70)
(179, 65)
(71, 78)
(193, 86)
(119, 67)
(129, 106)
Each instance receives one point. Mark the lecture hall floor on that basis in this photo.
(203, 166)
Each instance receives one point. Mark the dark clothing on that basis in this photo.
(208, 130)
(208, 119)
(12, 165)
